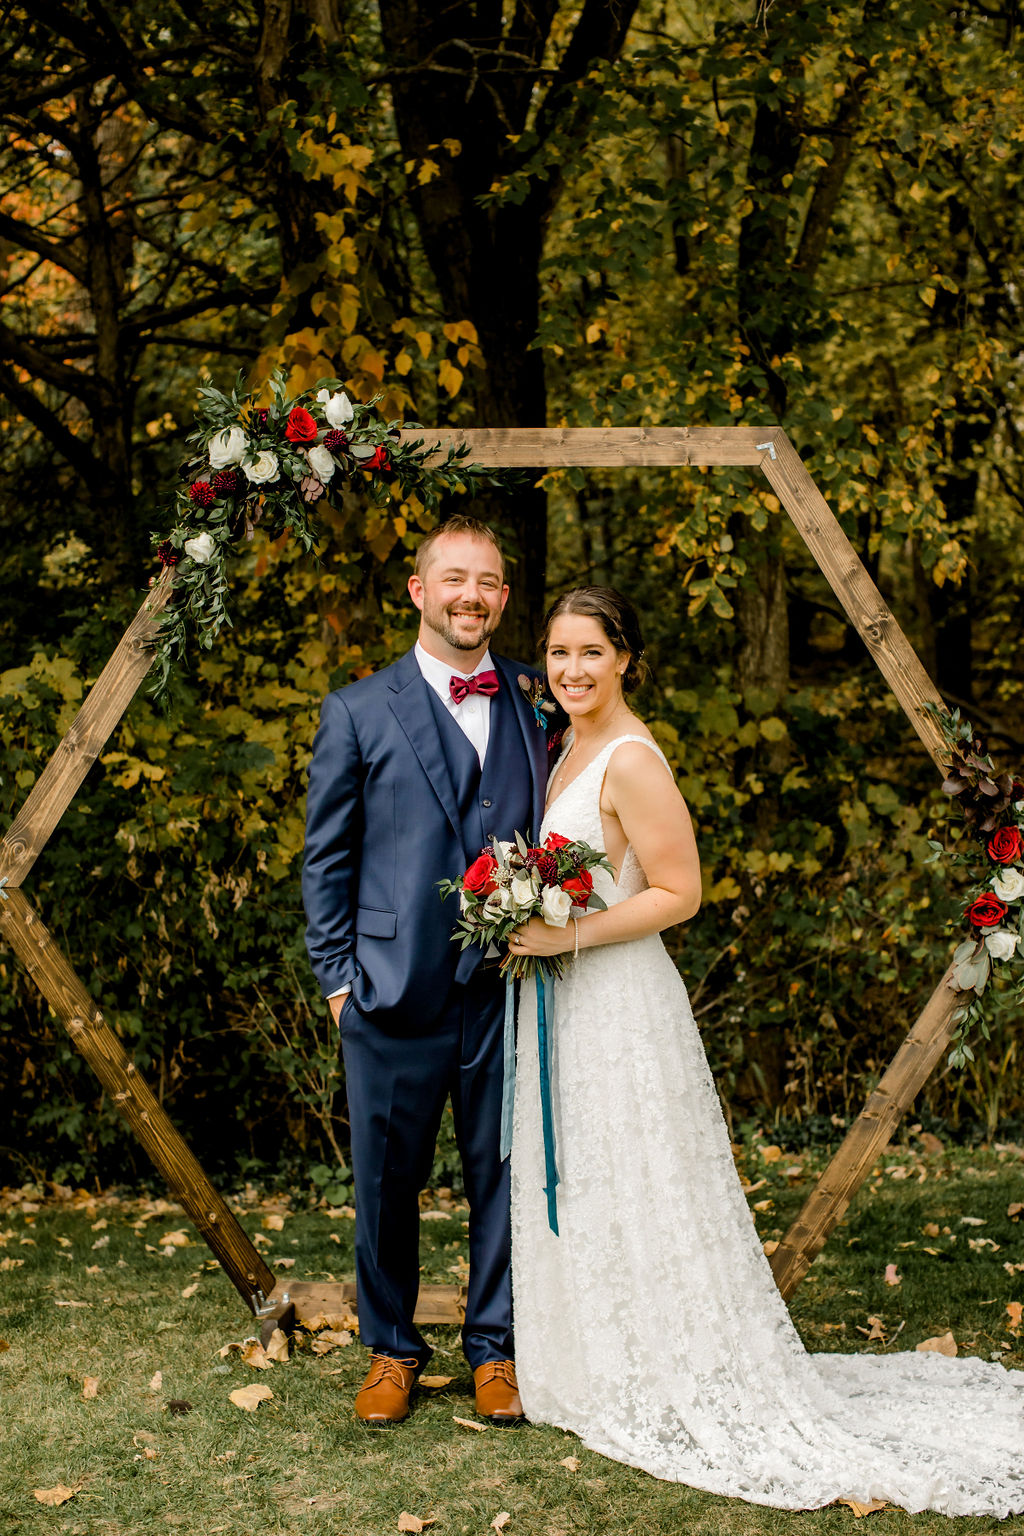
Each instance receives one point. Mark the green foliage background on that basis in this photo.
(798, 213)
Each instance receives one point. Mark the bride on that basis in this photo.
(651, 1325)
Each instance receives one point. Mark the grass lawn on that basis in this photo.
(89, 1289)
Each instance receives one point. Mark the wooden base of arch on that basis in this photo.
(767, 449)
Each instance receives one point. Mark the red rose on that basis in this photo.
(301, 427)
(478, 878)
(986, 912)
(380, 460)
(555, 840)
(1006, 845)
(579, 886)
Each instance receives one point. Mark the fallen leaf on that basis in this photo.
(254, 1354)
(877, 1329)
(6, 1263)
(1015, 1210)
(930, 1229)
(274, 1222)
(156, 1381)
(250, 1398)
(980, 1244)
(972, 1221)
(72, 1303)
(93, 1269)
(435, 1383)
(407, 1522)
(90, 1387)
(863, 1509)
(942, 1344)
(190, 1290)
(331, 1338)
(147, 1455)
(469, 1424)
(500, 1521)
(280, 1262)
(3, 1345)
(435, 1215)
(1013, 1312)
(572, 1462)
(769, 1247)
(143, 1437)
(54, 1496)
(179, 1239)
(98, 1226)
(277, 1348)
(771, 1154)
(930, 1143)
(891, 1275)
(102, 1242)
(764, 1205)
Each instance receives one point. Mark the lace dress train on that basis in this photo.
(651, 1326)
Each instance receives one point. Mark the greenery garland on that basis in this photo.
(270, 465)
(990, 846)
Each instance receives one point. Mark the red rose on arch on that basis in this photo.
(479, 877)
(301, 427)
(555, 840)
(380, 460)
(1006, 846)
(986, 912)
(579, 886)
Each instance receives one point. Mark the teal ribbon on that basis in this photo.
(546, 1011)
(508, 1086)
(539, 715)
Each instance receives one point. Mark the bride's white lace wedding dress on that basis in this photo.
(652, 1326)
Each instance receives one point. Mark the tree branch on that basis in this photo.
(24, 235)
(71, 380)
(71, 448)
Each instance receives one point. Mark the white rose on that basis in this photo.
(321, 462)
(1001, 945)
(1009, 885)
(556, 906)
(227, 447)
(522, 888)
(263, 468)
(337, 408)
(200, 548)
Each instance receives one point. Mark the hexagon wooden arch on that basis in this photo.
(765, 448)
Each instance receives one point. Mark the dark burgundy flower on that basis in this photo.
(226, 482)
(166, 554)
(301, 427)
(1006, 845)
(986, 912)
(545, 864)
(335, 441)
(261, 418)
(201, 493)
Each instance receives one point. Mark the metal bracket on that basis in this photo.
(770, 447)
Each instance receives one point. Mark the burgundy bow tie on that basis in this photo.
(484, 682)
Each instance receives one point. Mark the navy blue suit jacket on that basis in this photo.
(382, 828)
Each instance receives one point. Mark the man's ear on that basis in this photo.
(416, 591)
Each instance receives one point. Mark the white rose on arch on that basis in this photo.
(556, 906)
(263, 468)
(337, 408)
(227, 447)
(321, 462)
(1008, 884)
(200, 549)
(1001, 945)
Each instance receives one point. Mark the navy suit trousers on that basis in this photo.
(397, 1088)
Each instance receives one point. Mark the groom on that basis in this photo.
(414, 770)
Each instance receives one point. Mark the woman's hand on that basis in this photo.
(537, 937)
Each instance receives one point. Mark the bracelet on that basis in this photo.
(576, 951)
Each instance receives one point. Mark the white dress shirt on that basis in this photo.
(473, 715)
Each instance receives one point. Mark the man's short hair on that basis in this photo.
(460, 523)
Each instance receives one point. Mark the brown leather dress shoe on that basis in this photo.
(497, 1392)
(383, 1397)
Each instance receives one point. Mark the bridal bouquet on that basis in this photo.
(513, 882)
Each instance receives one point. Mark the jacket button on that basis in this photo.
(486, 804)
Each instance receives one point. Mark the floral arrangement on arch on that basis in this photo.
(991, 849)
(270, 464)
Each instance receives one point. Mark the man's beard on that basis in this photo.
(436, 617)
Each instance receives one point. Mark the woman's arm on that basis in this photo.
(640, 792)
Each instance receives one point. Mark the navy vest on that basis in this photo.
(496, 800)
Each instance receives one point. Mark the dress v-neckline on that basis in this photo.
(615, 742)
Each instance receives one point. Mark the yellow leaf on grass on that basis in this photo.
(177, 1239)
(435, 1383)
(90, 1387)
(190, 1290)
(1013, 1312)
(942, 1344)
(274, 1222)
(892, 1276)
(253, 1354)
(250, 1398)
(572, 1462)
(771, 1154)
(862, 1509)
(331, 1338)
(156, 1381)
(500, 1521)
(54, 1496)
(407, 1522)
(469, 1424)
(277, 1349)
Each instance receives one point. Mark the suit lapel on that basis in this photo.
(535, 737)
(410, 704)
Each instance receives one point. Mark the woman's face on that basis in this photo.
(584, 668)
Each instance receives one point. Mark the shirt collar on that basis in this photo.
(439, 674)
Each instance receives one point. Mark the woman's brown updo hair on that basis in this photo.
(616, 616)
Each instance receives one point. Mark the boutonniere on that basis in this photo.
(533, 692)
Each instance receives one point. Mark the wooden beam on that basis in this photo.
(23, 929)
(866, 608)
(84, 739)
(598, 447)
(903, 1080)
